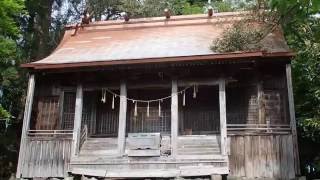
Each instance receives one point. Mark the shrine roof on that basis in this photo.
(152, 40)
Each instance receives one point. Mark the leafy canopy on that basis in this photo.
(10, 10)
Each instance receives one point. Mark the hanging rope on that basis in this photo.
(184, 98)
(144, 101)
(135, 109)
(113, 96)
(103, 98)
(159, 108)
(194, 91)
(148, 109)
(135, 101)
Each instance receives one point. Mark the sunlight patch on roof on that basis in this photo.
(81, 42)
(102, 37)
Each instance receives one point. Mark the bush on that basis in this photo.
(240, 37)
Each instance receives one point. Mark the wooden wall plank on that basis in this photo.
(269, 163)
(248, 157)
(276, 165)
(255, 157)
(241, 156)
(47, 158)
(290, 158)
(261, 156)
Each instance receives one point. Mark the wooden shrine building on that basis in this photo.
(148, 98)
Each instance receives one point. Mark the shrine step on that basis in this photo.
(99, 146)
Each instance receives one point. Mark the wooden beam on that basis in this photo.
(157, 84)
(77, 120)
(174, 118)
(26, 122)
(122, 119)
(199, 82)
(223, 116)
(293, 119)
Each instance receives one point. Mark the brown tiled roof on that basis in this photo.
(152, 39)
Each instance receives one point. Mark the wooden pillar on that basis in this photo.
(174, 118)
(261, 106)
(77, 120)
(223, 116)
(293, 119)
(122, 119)
(26, 123)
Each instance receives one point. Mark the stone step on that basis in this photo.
(98, 144)
(197, 141)
(102, 140)
(199, 149)
(198, 153)
(97, 147)
(98, 152)
(198, 145)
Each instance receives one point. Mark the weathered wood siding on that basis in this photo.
(242, 106)
(46, 158)
(261, 156)
(48, 113)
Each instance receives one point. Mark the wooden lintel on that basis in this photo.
(181, 83)
(199, 82)
(26, 122)
(122, 119)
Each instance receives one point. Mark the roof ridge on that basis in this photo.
(162, 19)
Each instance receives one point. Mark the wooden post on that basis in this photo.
(223, 116)
(261, 107)
(261, 110)
(293, 119)
(77, 121)
(26, 122)
(174, 118)
(122, 119)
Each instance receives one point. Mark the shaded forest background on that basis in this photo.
(31, 29)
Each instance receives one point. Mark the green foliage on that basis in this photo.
(306, 70)
(294, 12)
(9, 12)
(107, 8)
(240, 37)
(11, 85)
(152, 8)
(302, 31)
(7, 49)
(192, 9)
(4, 114)
(311, 129)
(9, 144)
(222, 6)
